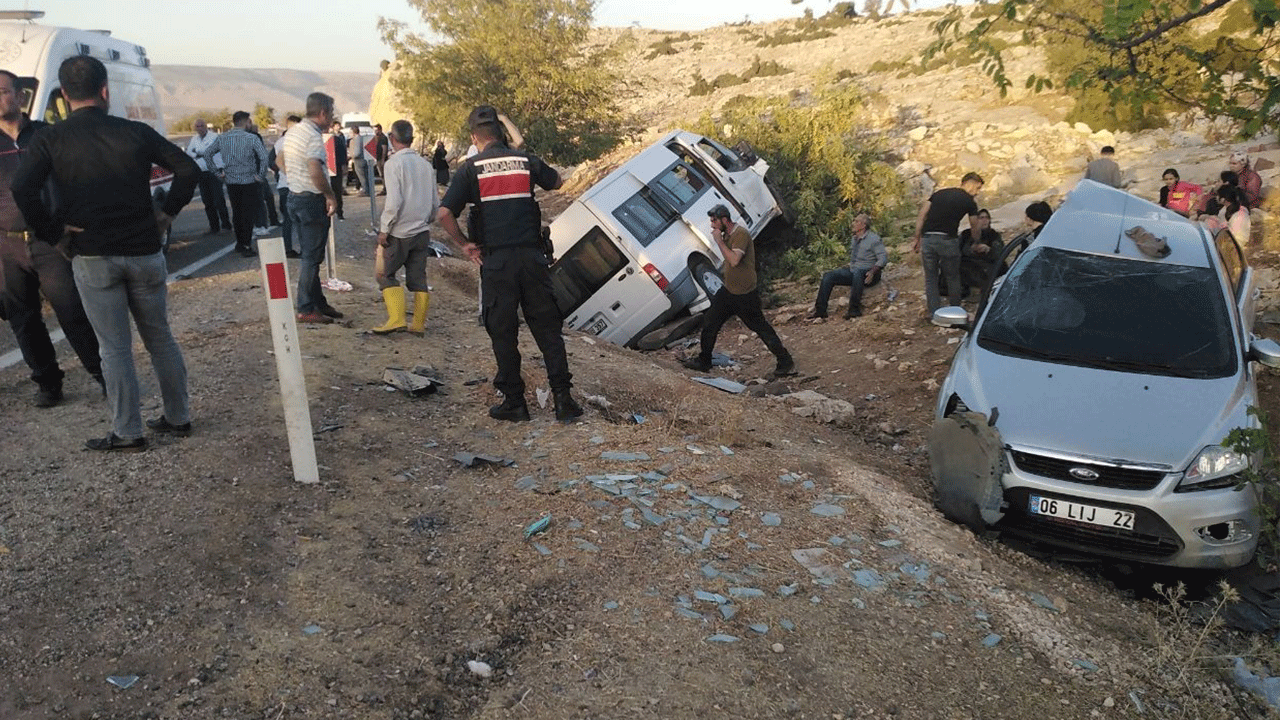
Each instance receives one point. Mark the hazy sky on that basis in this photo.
(339, 34)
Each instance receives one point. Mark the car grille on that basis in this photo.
(1108, 476)
(1151, 540)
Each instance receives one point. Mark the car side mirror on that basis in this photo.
(957, 317)
(1265, 351)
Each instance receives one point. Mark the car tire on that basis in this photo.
(706, 276)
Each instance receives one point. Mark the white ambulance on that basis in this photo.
(635, 249)
(34, 53)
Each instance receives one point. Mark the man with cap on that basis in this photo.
(506, 243)
(739, 296)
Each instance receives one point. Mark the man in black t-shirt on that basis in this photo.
(506, 243)
(937, 226)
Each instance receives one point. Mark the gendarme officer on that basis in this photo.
(499, 182)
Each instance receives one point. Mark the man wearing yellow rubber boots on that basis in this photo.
(403, 238)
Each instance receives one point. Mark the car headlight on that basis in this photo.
(1215, 467)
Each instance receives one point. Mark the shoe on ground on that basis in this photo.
(785, 368)
(47, 397)
(332, 312)
(567, 409)
(292, 254)
(164, 427)
(697, 363)
(314, 317)
(815, 315)
(853, 313)
(511, 410)
(111, 443)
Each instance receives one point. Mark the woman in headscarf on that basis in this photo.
(1250, 182)
(1234, 215)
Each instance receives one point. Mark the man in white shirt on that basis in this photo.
(404, 237)
(215, 206)
(311, 203)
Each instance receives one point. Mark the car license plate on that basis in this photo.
(1066, 510)
(598, 326)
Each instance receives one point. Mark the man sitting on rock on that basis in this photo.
(867, 258)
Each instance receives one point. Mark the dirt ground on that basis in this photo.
(666, 585)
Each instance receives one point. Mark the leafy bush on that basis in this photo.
(665, 46)
(826, 164)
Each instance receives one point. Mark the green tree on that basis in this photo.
(526, 57)
(827, 162)
(1138, 56)
(263, 115)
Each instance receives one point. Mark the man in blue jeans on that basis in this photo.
(867, 257)
(105, 219)
(311, 203)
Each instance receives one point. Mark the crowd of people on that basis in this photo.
(90, 240)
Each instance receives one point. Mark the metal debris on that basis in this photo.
(475, 459)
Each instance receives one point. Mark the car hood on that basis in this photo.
(1104, 414)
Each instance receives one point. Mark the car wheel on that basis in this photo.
(707, 277)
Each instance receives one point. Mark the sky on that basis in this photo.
(339, 34)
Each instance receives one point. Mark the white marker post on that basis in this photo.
(284, 335)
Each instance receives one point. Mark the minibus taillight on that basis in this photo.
(656, 276)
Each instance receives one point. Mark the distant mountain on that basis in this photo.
(185, 89)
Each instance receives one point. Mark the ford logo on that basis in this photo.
(1083, 473)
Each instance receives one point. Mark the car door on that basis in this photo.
(746, 182)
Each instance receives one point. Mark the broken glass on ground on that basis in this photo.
(537, 526)
(821, 563)
(968, 461)
(124, 682)
(724, 384)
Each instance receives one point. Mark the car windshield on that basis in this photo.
(1112, 313)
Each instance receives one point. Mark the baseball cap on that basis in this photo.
(482, 115)
(719, 211)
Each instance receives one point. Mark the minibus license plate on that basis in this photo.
(598, 326)
(1066, 510)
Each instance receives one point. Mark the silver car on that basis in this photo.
(1111, 376)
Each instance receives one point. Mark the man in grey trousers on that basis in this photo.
(937, 237)
(105, 220)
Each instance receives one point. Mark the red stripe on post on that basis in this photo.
(277, 286)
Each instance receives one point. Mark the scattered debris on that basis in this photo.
(312, 629)
(991, 640)
(542, 395)
(474, 460)
(537, 526)
(477, 667)
(124, 682)
(1268, 688)
(328, 428)
(821, 563)
(827, 510)
(724, 384)
(722, 638)
(771, 519)
(411, 383)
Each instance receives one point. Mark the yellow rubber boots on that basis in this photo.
(421, 302)
(394, 298)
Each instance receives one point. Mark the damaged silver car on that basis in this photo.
(1104, 370)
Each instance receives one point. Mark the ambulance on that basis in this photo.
(34, 52)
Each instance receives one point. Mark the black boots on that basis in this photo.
(567, 409)
(514, 409)
(511, 409)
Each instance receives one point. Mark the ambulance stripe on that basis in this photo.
(504, 186)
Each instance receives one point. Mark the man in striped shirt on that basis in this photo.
(311, 203)
(244, 160)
